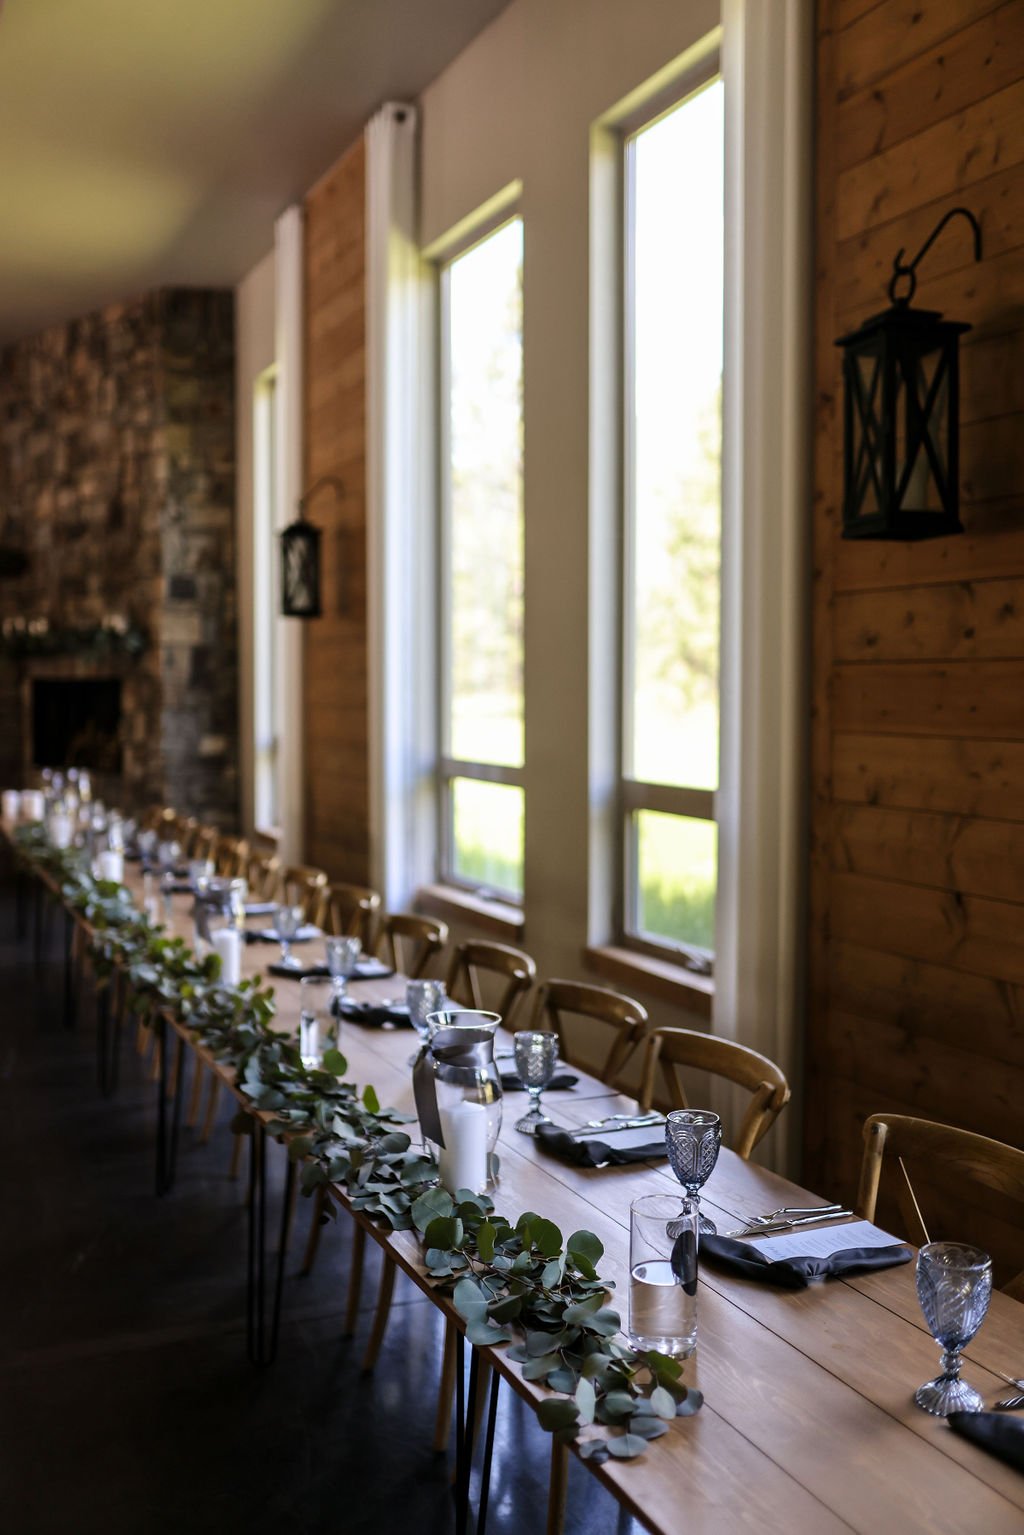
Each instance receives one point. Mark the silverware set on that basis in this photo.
(613, 1122)
(789, 1217)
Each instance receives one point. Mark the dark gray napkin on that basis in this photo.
(373, 1015)
(296, 972)
(584, 1152)
(997, 1432)
(511, 1082)
(793, 1273)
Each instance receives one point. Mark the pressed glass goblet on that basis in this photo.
(287, 921)
(536, 1056)
(342, 956)
(954, 1284)
(693, 1138)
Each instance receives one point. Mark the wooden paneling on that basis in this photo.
(337, 735)
(917, 807)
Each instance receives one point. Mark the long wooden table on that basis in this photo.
(808, 1423)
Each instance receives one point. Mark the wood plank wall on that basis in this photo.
(335, 669)
(917, 937)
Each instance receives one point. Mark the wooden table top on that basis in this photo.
(808, 1423)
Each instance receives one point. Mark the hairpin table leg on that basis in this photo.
(70, 968)
(167, 1135)
(109, 1014)
(465, 1419)
(21, 902)
(261, 1332)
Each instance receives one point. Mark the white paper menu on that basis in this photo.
(822, 1241)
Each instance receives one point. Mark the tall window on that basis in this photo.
(674, 189)
(481, 770)
(264, 437)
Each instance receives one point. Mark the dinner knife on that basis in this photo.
(801, 1220)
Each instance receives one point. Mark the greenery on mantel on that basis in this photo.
(520, 1285)
(23, 638)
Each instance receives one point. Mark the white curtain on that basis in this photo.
(288, 403)
(401, 557)
(767, 54)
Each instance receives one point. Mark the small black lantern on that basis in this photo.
(300, 559)
(901, 428)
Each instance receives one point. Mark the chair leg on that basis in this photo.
(355, 1280)
(557, 1488)
(446, 1392)
(380, 1316)
(211, 1108)
(313, 1240)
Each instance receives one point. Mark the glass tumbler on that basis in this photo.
(317, 1024)
(663, 1274)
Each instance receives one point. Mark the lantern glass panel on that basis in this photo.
(922, 432)
(300, 573)
(866, 451)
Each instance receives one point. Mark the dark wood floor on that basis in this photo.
(127, 1405)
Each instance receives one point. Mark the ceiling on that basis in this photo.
(146, 143)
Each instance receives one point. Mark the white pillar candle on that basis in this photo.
(228, 944)
(462, 1160)
(61, 830)
(33, 806)
(11, 804)
(111, 866)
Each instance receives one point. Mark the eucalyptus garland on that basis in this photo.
(523, 1285)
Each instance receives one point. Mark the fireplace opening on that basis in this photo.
(76, 722)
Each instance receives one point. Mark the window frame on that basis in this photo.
(266, 576)
(636, 794)
(450, 767)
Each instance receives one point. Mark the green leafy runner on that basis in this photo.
(520, 1285)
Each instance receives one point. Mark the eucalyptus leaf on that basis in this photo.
(556, 1412)
(627, 1446)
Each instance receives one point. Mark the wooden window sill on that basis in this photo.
(497, 918)
(656, 977)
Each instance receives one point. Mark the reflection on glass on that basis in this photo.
(485, 499)
(674, 310)
(677, 865)
(487, 834)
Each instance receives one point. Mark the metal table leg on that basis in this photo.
(109, 1014)
(485, 1474)
(71, 977)
(261, 1330)
(167, 1135)
(465, 1421)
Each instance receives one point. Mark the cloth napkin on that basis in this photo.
(370, 968)
(793, 1273)
(998, 1432)
(374, 1015)
(260, 908)
(511, 1082)
(305, 934)
(295, 972)
(622, 1147)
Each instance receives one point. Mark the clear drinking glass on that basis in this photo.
(536, 1056)
(287, 921)
(954, 1285)
(238, 894)
(317, 1026)
(422, 999)
(343, 956)
(663, 1274)
(167, 855)
(693, 1138)
(200, 869)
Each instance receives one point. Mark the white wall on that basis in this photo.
(254, 353)
(521, 103)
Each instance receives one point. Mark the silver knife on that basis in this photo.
(803, 1220)
(596, 1132)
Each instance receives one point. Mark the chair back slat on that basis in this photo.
(620, 1014)
(673, 1049)
(408, 942)
(513, 970)
(350, 911)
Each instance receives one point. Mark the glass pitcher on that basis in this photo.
(458, 1097)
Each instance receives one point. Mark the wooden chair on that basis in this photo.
(961, 1154)
(263, 873)
(302, 886)
(511, 966)
(350, 911)
(409, 942)
(674, 1048)
(231, 857)
(619, 1014)
(204, 843)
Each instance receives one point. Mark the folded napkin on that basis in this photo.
(644, 1144)
(298, 972)
(371, 969)
(305, 934)
(998, 1432)
(511, 1082)
(373, 1015)
(794, 1270)
(260, 908)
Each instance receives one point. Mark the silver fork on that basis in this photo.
(766, 1220)
(1010, 1403)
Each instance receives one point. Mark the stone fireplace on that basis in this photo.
(117, 483)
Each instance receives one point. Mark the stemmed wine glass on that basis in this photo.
(287, 921)
(536, 1056)
(954, 1284)
(693, 1138)
(342, 957)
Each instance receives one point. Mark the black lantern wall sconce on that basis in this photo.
(300, 557)
(901, 413)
